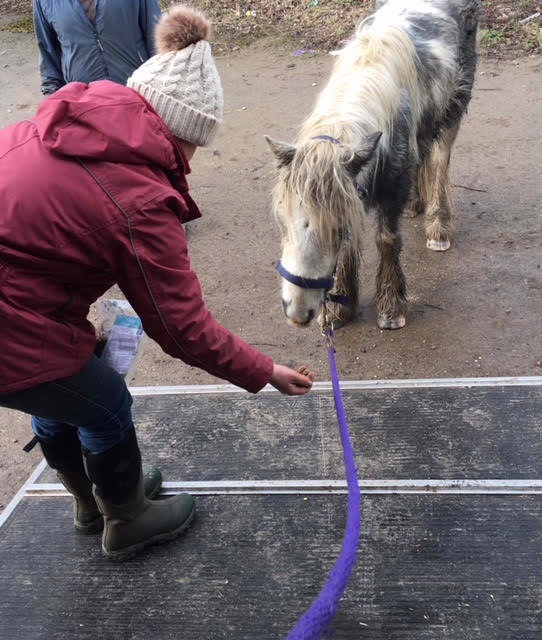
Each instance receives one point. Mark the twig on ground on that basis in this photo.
(433, 306)
(462, 186)
(534, 16)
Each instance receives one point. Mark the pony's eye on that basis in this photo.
(362, 191)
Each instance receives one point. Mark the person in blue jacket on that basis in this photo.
(87, 40)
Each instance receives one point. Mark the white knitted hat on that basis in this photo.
(181, 82)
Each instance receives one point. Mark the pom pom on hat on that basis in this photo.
(181, 82)
(180, 27)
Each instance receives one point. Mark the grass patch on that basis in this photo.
(23, 25)
(489, 37)
(533, 37)
(303, 24)
(503, 35)
(324, 24)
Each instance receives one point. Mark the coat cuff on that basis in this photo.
(261, 375)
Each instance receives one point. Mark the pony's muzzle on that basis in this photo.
(295, 316)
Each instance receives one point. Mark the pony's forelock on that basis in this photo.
(317, 181)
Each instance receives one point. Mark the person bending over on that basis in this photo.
(94, 193)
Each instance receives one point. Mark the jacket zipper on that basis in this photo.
(100, 47)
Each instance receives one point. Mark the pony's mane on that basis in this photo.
(376, 67)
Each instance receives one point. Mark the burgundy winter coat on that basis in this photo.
(92, 193)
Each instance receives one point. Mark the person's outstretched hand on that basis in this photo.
(290, 382)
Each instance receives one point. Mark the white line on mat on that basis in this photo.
(414, 383)
(22, 491)
(267, 487)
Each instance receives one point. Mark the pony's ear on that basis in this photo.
(282, 151)
(364, 153)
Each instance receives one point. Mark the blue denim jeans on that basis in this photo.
(95, 401)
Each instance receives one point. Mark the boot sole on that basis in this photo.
(130, 552)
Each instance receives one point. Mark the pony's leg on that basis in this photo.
(390, 298)
(434, 190)
(347, 283)
(416, 206)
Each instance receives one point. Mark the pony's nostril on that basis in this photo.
(310, 315)
(285, 306)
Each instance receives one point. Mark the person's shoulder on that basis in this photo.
(15, 136)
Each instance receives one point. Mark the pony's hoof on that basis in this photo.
(386, 321)
(438, 245)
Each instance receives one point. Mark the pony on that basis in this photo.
(378, 141)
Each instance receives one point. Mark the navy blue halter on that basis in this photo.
(328, 138)
(314, 283)
(305, 283)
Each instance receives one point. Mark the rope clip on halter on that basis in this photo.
(327, 327)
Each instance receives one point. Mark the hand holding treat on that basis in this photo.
(290, 382)
(305, 371)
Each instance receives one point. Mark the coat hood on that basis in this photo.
(107, 122)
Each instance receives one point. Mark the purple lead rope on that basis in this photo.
(316, 620)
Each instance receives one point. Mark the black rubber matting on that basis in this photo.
(486, 432)
(430, 566)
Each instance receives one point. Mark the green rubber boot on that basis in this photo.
(63, 454)
(86, 515)
(132, 522)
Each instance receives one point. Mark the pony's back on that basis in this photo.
(408, 58)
